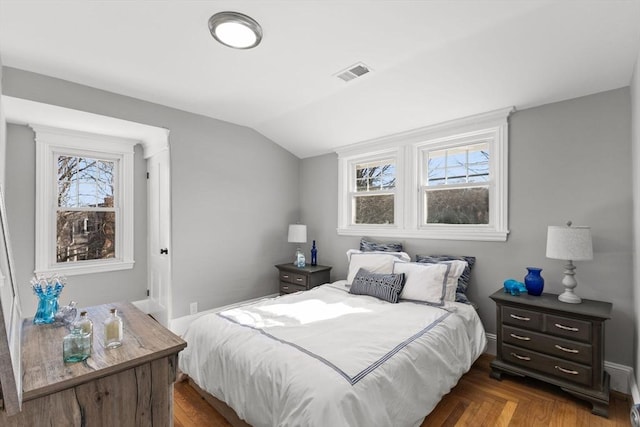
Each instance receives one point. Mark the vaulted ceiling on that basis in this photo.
(431, 61)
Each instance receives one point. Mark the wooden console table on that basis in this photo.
(128, 386)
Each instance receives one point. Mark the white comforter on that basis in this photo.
(328, 358)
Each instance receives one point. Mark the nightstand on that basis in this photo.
(556, 342)
(294, 279)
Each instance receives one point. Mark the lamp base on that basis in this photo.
(569, 297)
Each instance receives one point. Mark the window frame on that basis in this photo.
(53, 142)
(410, 147)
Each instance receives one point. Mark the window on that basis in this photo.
(373, 196)
(84, 204)
(445, 181)
(455, 187)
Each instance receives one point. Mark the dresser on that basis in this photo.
(131, 385)
(556, 342)
(295, 279)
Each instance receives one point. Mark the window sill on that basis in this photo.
(476, 234)
(87, 267)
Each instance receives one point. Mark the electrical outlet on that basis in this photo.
(193, 307)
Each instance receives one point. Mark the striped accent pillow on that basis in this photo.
(465, 277)
(383, 286)
(369, 246)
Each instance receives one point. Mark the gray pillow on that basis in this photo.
(370, 246)
(383, 286)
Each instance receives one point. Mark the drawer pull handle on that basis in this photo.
(567, 371)
(566, 328)
(526, 319)
(517, 356)
(520, 337)
(299, 279)
(285, 288)
(285, 276)
(568, 350)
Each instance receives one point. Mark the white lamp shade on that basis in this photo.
(569, 243)
(297, 233)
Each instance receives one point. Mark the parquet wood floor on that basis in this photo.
(476, 401)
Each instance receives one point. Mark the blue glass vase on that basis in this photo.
(314, 254)
(533, 281)
(47, 293)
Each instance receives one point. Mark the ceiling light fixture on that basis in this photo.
(235, 30)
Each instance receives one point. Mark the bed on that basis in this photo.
(331, 357)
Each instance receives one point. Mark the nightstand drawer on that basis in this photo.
(566, 349)
(558, 368)
(295, 278)
(567, 327)
(522, 318)
(289, 288)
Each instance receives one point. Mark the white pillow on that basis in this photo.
(399, 255)
(457, 268)
(373, 262)
(423, 282)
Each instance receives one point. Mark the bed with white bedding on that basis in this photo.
(326, 357)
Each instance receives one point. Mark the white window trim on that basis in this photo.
(408, 147)
(52, 141)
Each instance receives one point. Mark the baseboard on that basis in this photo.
(622, 376)
(179, 325)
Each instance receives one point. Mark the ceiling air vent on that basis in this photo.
(353, 72)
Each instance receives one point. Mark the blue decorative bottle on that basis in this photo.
(534, 281)
(314, 254)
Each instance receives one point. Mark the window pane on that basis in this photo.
(458, 206)
(374, 209)
(85, 236)
(459, 165)
(375, 176)
(85, 182)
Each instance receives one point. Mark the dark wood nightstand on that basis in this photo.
(294, 279)
(556, 342)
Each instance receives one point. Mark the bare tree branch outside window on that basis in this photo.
(86, 216)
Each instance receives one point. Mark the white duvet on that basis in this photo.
(328, 358)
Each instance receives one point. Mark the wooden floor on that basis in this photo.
(477, 400)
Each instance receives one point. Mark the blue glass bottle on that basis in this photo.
(314, 254)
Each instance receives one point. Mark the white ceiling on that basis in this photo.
(432, 61)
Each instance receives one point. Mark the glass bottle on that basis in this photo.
(67, 315)
(314, 254)
(75, 346)
(300, 259)
(86, 325)
(113, 330)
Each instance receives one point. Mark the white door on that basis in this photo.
(159, 215)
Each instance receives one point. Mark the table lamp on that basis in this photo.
(298, 234)
(570, 244)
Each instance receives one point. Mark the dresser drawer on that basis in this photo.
(289, 288)
(558, 368)
(567, 327)
(566, 349)
(295, 278)
(522, 318)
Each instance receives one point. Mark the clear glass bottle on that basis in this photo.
(76, 346)
(113, 330)
(86, 325)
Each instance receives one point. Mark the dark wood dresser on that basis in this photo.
(294, 279)
(556, 342)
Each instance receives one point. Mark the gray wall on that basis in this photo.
(568, 160)
(233, 194)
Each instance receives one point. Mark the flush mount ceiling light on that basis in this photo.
(235, 30)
